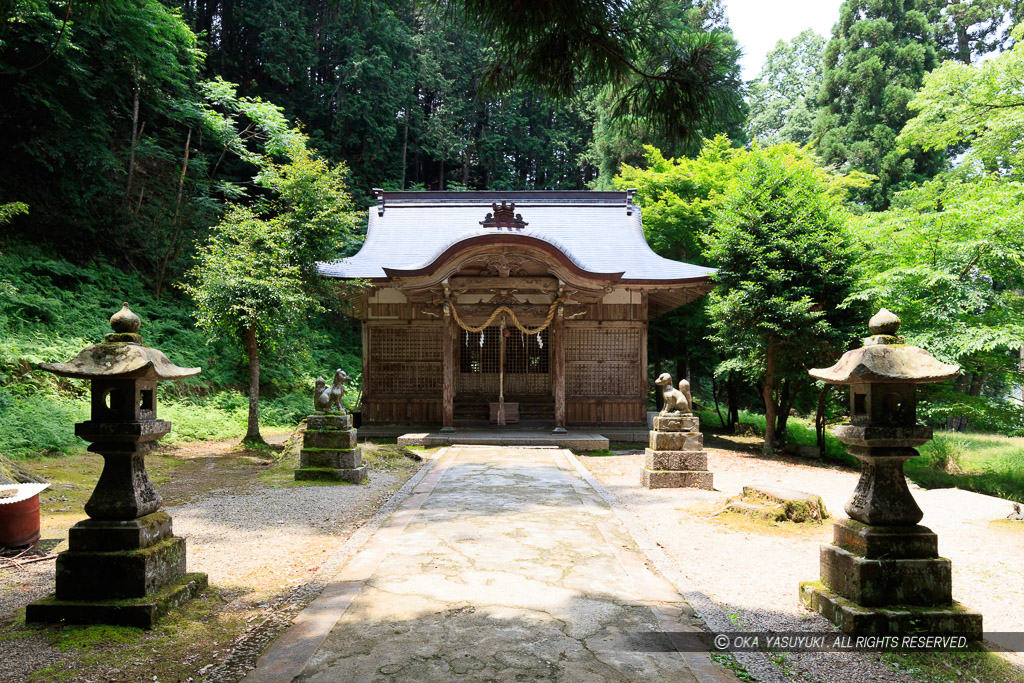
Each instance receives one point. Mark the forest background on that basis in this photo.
(145, 141)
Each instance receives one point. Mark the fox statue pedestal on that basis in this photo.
(330, 451)
(676, 457)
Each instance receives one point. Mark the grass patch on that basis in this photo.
(181, 643)
(601, 453)
(954, 667)
(747, 524)
(799, 432)
(984, 463)
(728, 660)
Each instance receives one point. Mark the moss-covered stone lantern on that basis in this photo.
(124, 566)
(883, 574)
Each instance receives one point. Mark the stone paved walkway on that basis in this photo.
(504, 564)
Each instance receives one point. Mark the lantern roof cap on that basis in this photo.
(884, 358)
(121, 355)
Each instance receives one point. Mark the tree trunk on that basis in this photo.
(13, 473)
(252, 433)
(819, 417)
(405, 147)
(770, 407)
(177, 226)
(734, 405)
(714, 394)
(782, 417)
(134, 140)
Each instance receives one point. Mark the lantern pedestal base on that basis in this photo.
(878, 580)
(121, 572)
(139, 612)
(858, 620)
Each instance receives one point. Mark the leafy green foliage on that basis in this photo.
(875, 61)
(662, 66)
(981, 106)
(784, 258)
(949, 257)
(970, 30)
(58, 307)
(255, 279)
(784, 96)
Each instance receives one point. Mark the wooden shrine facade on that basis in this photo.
(534, 302)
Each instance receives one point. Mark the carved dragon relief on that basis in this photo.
(504, 265)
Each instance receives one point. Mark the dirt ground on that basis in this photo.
(752, 570)
(259, 535)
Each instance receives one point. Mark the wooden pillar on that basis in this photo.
(557, 338)
(448, 336)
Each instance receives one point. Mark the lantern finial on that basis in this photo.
(884, 322)
(124, 321)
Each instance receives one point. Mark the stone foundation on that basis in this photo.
(878, 580)
(330, 451)
(676, 457)
(127, 572)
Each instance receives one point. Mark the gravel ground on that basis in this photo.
(752, 573)
(260, 546)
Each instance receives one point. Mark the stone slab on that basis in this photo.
(675, 460)
(677, 479)
(336, 459)
(876, 542)
(354, 475)
(860, 620)
(121, 574)
(319, 421)
(504, 564)
(140, 613)
(676, 441)
(676, 423)
(98, 535)
(924, 582)
(577, 441)
(344, 439)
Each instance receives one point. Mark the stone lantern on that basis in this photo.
(123, 565)
(882, 574)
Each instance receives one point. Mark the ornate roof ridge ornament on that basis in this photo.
(504, 216)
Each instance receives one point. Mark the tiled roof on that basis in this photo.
(599, 232)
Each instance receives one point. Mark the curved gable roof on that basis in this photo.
(598, 232)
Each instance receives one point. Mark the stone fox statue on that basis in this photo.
(676, 400)
(328, 400)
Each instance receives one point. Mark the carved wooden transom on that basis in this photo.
(504, 298)
(504, 216)
(504, 265)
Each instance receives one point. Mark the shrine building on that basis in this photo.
(509, 307)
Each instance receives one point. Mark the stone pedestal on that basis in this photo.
(676, 456)
(878, 580)
(330, 451)
(120, 572)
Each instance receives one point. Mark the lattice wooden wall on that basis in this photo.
(602, 361)
(404, 362)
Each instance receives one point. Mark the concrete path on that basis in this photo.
(505, 565)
